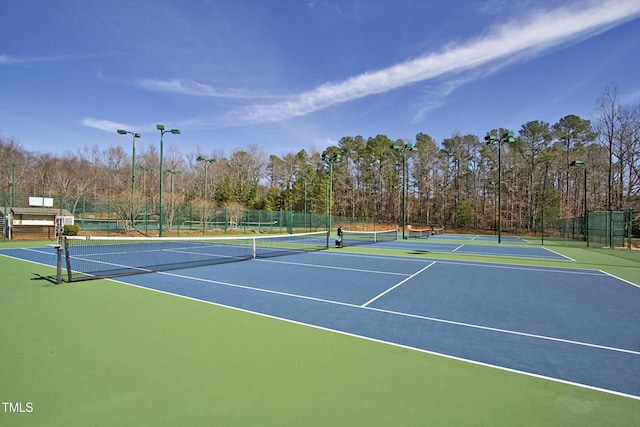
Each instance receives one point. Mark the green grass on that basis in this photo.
(106, 354)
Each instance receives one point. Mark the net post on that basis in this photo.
(67, 257)
(255, 252)
(58, 264)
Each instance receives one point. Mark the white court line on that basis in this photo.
(350, 334)
(38, 250)
(396, 285)
(498, 265)
(495, 264)
(559, 254)
(565, 270)
(616, 277)
(397, 313)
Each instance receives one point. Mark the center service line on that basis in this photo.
(396, 285)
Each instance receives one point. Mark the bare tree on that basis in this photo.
(606, 125)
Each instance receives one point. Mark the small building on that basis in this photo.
(33, 223)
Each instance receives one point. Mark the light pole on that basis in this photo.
(13, 165)
(304, 178)
(144, 196)
(133, 166)
(144, 180)
(207, 162)
(495, 204)
(133, 157)
(403, 149)
(162, 132)
(585, 218)
(330, 159)
(173, 172)
(491, 139)
(443, 197)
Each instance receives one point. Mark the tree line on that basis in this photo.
(454, 182)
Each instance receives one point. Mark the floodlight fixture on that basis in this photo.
(203, 159)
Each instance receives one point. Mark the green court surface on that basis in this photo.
(107, 354)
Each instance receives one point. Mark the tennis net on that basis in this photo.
(93, 257)
(423, 233)
(351, 238)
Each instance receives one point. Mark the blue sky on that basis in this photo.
(287, 75)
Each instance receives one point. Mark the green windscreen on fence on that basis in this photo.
(607, 228)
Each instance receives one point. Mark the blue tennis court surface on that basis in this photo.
(429, 245)
(489, 238)
(570, 325)
(479, 238)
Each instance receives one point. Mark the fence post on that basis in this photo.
(5, 217)
(586, 227)
(629, 229)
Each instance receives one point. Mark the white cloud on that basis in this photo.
(13, 60)
(460, 63)
(193, 88)
(435, 97)
(515, 40)
(8, 60)
(105, 125)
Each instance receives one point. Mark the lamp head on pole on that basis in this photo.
(404, 147)
(508, 137)
(331, 158)
(173, 131)
(124, 132)
(203, 159)
(491, 138)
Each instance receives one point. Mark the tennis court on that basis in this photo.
(489, 238)
(564, 324)
(445, 246)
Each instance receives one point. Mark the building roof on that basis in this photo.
(37, 211)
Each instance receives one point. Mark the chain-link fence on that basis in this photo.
(601, 229)
(107, 217)
(611, 229)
